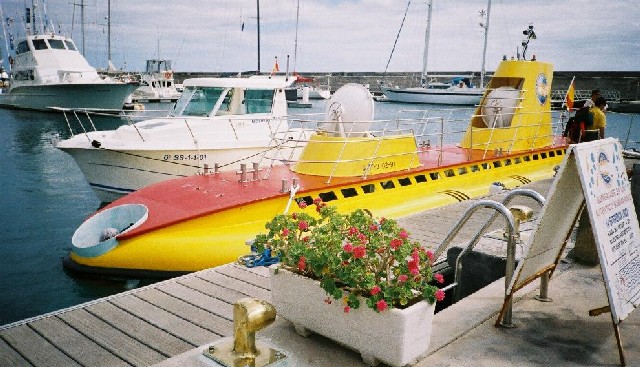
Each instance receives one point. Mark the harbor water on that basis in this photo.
(45, 198)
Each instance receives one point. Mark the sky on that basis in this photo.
(347, 35)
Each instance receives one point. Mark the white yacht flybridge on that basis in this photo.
(47, 72)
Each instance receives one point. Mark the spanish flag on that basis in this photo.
(571, 95)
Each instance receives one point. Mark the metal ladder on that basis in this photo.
(512, 237)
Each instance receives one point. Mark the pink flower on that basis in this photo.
(302, 263)
(438, 277)
(352, 231)
(302, 204)
(375, 290)
(381, 305)
(348, 247)
(403, 234)
(402, 278)
(359, 252)
(303, 225)
(413, 267)
(347, 309)
(285, 232)
(395, 243)
(373, 227)
(439, 295)
(317, 201)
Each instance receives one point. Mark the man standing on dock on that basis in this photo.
(598, 120)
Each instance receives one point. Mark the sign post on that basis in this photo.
(592, 174)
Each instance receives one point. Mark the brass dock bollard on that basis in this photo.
(249, 316)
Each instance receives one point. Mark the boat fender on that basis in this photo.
(108, 233)
(95, 144)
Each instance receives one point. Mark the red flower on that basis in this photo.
(373, 227)
(306, 238)
(362, 238)
(402, 278)
(381, 305)
(285, 232)
(395, 243)
(302, 263)
(317, 201)
(353, 231)
(348, 247)
(438, 277)
(403, 234)
(302, 204)
(413, 267)
(294, 216)
(303, 225)
(375, 290)
(347, 309)
(359, 252)
(430, 255)
(439, 295)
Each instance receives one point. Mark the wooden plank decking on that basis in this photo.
(145, 326)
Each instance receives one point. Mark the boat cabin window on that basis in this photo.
(22, 47)
(39, 44)
(475, 168)
(258, 101)
(197, 101)
(56, 44)
(387, 185)
(70, 45)
(421, 178)
(405, 181)
(517, 160)
(328, 196)
(449, 173)
(369, 188)
(434, 175)
(349, 192)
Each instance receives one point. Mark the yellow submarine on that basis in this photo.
(192, 223)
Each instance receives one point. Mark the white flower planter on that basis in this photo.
(395, 337)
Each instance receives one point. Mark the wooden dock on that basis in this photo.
(148, 325)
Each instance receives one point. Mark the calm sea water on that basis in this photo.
(45, 198)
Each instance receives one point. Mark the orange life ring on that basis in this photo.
(167, 74)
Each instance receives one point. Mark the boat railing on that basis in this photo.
(432, 133)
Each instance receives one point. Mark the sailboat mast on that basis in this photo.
(258, 16)
(484, 50)
(109, 33)
(423, 78)
(295, 45)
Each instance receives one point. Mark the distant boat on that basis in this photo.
(217, 122)
(459, 91)
(47, 71)
(157, 83)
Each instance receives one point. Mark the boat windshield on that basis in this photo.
(56, 44)
(70, 45)
(197, 101)
(258, 101)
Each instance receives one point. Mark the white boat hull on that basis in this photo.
(91, 96)
(459, 96)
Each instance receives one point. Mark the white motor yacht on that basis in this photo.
(48, 72)
(218, 123)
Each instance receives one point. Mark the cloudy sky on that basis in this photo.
(346, 35)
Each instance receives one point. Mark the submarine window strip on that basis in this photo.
(449, 173)
(552, 154)
(349, 192)
(421, 178)
(434, 175)
(387, 185)
(475, 168)
(543, 155)
(406, 181)
(507, 162)
(497, 164)
(517, 160)
(462, 170)
(328, 196)
(368, 188)
(536, 157)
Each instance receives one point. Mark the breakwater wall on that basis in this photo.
(627, 83)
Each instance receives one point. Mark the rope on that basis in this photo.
(292, 195)
(397, 36)
(263, 259)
